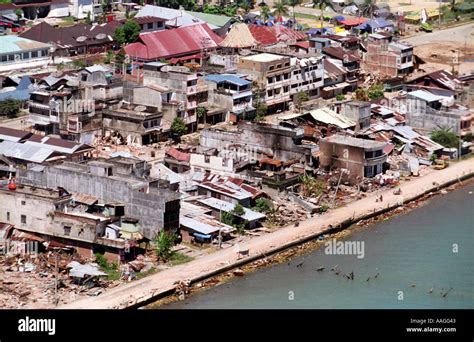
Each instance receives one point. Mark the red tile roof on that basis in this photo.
(269, 35)
(173, 43)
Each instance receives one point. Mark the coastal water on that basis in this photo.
(429, 249)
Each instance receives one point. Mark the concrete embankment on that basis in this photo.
(162, 284)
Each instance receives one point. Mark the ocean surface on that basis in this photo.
(419, 257)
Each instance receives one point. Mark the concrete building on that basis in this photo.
(36, 9)
(144, 198)
(307, 75)
(427, 112)
(358, 112)
(386, 58)
(55, 218)
(20, 53)
(361, 157)
(150, 24)
(259, 141)
(272, 74)
(232, 92)
(183, 92)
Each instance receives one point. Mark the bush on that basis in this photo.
(238, 210)
(340, 97)
(178, 127)
(10, 107)
(262, 205)
(323, 208)
(375, 91)
(164, 242)
(446, 138)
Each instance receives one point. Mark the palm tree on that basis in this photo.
(280, 9)
(368, 8)
(293, 4)
(244, 6)
(322, 4)
(265, 13)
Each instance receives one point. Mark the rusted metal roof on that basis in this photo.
(84, 198)
(178, 155)
(173, 43)
(269, 35)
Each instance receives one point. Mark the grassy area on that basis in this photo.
(179, 258)
(141, 275)
(67, 21)
(307, 16)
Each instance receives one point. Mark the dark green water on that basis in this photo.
(411, 249)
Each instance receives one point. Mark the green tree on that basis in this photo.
(368, 7)
(261, 110)
(19, 13)
(280, 9)
(178, 127)
(187, 4)
(244, 6)
(446, 138)
(262, 205)
(361, 94)
(375, 91)
(340, 97)
(164, 243)
(201, 113)
(88, 18)
(293, 4)
(10, 107)
(127, 33)
(311, 186)
(301, 97)
(322, 4)
(238, 210)
(265, 13)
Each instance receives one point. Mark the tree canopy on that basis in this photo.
(127, 33)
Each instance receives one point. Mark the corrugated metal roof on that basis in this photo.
(13, 44)
(84, 198)
(175, 18)
(215, 203)
(330, 117)
(269, 35)
(11, 134)
(171, 43)
(25, 152)
(425, 95)
(203, 224)
(213, 19)
(220, 78)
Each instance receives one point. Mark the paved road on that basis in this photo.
(461, 34)
(18, 123)
(143, 289)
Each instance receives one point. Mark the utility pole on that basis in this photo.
(439, 14)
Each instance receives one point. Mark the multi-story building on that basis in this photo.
(272, 74)
(387, 58)
(21, 53)
(184, 91)
(232, 92)
(144, 199)
(360, 157)
(307, 75)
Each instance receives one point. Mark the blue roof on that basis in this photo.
(220, 78)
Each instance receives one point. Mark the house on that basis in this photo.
(335, 76)
(349, 60)
(175, 43)
(176, 160)
(357, 111)
(348, 42)
(270, 35)
(18, 53)
(232, 92)
(220, 24)
(144, 199)
(173, 18)
(360, 157)
(437, 81)
(81, 8)
(386, 58)
(150, 24)
(74, 40)
(272, 74)
(426, 112)
(36, 9)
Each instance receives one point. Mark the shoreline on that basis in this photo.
(305, 248)
(163, 284)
